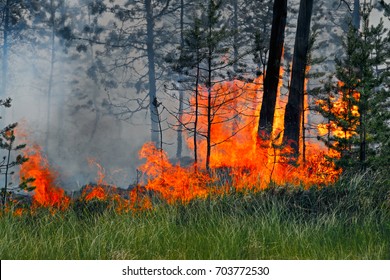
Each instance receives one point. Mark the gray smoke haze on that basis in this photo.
(78, 131)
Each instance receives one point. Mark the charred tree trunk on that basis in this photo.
(181, 92)
(196, 115)
(294, 108)
(151, 71)
(271, 81)
(209, 115)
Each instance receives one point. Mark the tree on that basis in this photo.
(15, 16)
(294, 108)
(358, 110)
(386, 7)
(206, 61)
(271, 82)
(52, 20)
(133, 37)
(181, 91)
(188, 64)
(7, 143)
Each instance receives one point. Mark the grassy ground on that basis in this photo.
(350, 220)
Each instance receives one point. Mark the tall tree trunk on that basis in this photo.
(51, 73)
(356, 15)
(151, 72)
(61, 151)
(236, 119)
(196, 112)
(271, 81)
(235, 35)
(5, 49)
(208, 85)
(294, 108)
(96, 91)
(209, 117)
(181, 91)
(363, 100)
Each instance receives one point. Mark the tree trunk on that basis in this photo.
(208, 85)
(5, 49)
(51, 73)
(209, 120)
(151, 72)
(181, 91)
(96, 91)
(294, 108)
(9, 149)
(235, 35)
(236, 119)
(356, 15)
(271, 81)
(196, 113)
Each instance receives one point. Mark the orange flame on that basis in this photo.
(47, 192)
(341, 107)
(136, 201)
(236, 160)
(96, 193)
(172, 182)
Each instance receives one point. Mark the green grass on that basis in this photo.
(350, 220)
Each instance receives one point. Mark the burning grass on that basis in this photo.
(348, 220)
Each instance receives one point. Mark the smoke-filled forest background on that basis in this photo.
(295, 91)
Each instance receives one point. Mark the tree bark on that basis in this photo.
(271, 81)
(294, 108)
(151, 72)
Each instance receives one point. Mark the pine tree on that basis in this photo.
(8, 161)
(358, 108)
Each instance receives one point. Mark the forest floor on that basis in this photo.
(349, 220)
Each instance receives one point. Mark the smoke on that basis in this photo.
(80, 125)
(75, 131)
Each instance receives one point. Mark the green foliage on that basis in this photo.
(207, 38)
(7, 143)
(357, 107)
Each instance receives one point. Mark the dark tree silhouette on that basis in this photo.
(294, 108)
(271, 81)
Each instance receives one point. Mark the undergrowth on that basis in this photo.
(348, 220)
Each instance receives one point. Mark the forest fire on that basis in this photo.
(174, 183)
(343, 106)
(47, 193)
(239, 159)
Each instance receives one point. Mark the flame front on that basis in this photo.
(239, 160)
(47, 193)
